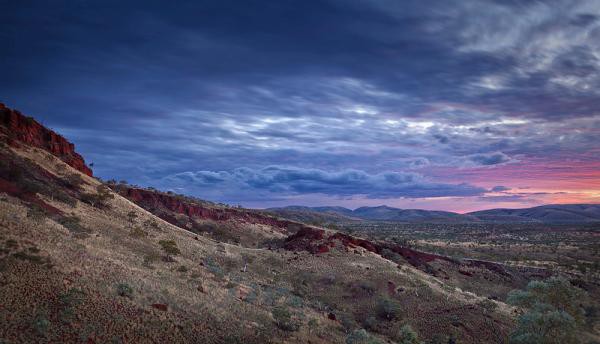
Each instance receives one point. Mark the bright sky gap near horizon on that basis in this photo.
(450, 105)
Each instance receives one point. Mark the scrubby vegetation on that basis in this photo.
(170, 249)
(553, 312)
(98, 199)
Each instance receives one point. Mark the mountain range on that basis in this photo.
(554, 213)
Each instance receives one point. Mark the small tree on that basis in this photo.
(553, 312)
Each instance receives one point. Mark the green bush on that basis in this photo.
(361, 337)
(131, 216)
(406, 335)
(98, 199)
(73, 180)
(283, 319)
(69, 300)
(123, 289)
(388, 309)
(370, 323)
(169, 246)
(31, 186)
(73, 224)
(63, 197)
(150, 259)
(391, 255)
(553, 312)
(41, 324)
(138, 233)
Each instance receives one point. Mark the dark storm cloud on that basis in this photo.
(487, 159)
(291, 180)
(148, 89)
(499, 188)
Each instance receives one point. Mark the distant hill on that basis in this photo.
(558, 213)
(320, 215)
(554, 213)
(380, 213)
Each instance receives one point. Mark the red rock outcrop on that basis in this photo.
(14, 190)
(21, 129)
(317, 241)
(154, 200)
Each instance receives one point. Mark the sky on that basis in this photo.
(452, 105)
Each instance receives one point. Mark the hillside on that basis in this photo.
(87, 261)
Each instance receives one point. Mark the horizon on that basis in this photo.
(462, 213)
(456, 107)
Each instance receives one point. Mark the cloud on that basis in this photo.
(506, 199)
(292, 181)
(500, 188)
(392, 86)
(488, 159)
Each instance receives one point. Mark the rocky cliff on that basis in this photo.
(20, 129)
(153, 200)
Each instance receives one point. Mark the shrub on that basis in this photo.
(73, 180)
(71, 297)
(391, 255)
(554, 313)
(388, 309)
(283, 319)
(170, 248)
(366, 287)
(33, 258)
(41, 324)
(361, 337)
(63, 197)
(98, 199)
(150, 258)
(488, 305)
(370, 323)
(313, 324)
(182, 268)
(123, 289)
(406, 335)
(69, 300)
(138, 233)
(73, 224)
(36, 213)
(31, 186)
